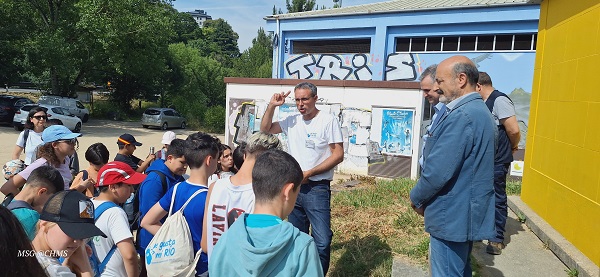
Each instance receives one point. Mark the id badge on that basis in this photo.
(308, 143)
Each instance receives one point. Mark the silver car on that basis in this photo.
(163, 118)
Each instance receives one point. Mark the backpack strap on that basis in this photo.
(186, 202)
(18, 204)
(163, 179)
(192, 197)
(97, 213)
(492, 98)
(25, 136)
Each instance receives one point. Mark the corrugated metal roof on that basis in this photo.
(404, 6)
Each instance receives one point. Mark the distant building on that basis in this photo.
(200, 16)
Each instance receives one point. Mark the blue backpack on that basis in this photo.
(97, 265)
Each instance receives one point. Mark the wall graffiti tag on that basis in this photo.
(398, 67)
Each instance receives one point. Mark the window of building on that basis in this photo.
(487, 43)
(434, 44)
(337, 46)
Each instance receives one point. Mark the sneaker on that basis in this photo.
(494, 248)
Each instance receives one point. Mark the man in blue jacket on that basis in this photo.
(162, 175)
(455, 192)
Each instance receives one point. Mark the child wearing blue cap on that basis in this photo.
(59, 143)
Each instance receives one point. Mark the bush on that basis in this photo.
(214, 119)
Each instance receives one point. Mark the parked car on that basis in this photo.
(163, 118)
(70, 104)
(9, 105)
(68, 119)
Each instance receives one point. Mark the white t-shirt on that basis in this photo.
(64, 170)
(308, 141)
(227, 202)
(33, 140)
(53, 267)
(113, 223)
(222, 175)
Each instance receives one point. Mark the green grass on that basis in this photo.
(374, 222)
(371, 224)
(513, 187)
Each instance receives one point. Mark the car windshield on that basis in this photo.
(152, 112)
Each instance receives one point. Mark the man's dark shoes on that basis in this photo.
(494, 248)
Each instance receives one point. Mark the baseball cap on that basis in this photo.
(118, 172)
(57, 132)
(74, 214)
(168, 137)
(125, 139)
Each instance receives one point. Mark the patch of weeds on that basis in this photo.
(475, 267)
(417, 251)
(513, 187)
(572, 272)
(521, 217)
(546, 245)
(370, 224)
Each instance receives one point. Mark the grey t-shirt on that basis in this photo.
(503, 108)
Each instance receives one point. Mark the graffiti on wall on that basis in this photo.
(506, 69)
(398, 67)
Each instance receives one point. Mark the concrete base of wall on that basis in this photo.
(562, 248)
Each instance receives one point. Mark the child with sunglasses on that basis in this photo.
(59, 144)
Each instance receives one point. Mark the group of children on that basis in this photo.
(256, 183)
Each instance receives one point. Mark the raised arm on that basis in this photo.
(267, 125)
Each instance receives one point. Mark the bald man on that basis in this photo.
(455, 192)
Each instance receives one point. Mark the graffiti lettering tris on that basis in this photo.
(399, 67)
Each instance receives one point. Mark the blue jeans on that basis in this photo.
(450, 259)
(313, 207)
(500, 171)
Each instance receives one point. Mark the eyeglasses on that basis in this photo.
(72, 141)
(40, 117)
(304, 100)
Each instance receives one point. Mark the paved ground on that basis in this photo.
(524, 255)
(104, 131)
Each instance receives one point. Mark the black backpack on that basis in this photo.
(133, 209)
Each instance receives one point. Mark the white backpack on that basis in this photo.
(171, 251)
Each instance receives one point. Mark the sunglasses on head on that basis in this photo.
(72, 141)
(40, 117)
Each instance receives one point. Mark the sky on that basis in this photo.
(246, 16)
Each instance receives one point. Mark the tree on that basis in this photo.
(300, 5)
(219, 34)
(256, 61)
(130, 40)
(199, 81)
(185, 27)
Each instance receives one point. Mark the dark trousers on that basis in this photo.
(500, 171)
(313, 208)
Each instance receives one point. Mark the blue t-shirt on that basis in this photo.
(193, 213)
(150, 192)
(29, 219)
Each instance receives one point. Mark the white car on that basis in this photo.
(54, 112)
(72, 105)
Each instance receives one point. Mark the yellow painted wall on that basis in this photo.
(561, 181)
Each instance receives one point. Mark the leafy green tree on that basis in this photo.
(256, 61)
(185, 27)
(300, 5)
(13, 40)
(199, 82)
(218, 33)
(130, 40)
